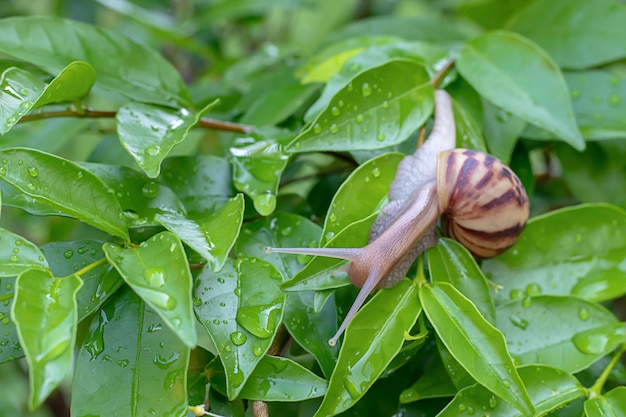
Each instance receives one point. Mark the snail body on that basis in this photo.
(481, 201)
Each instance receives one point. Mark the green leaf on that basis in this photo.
(311, 329)
(64, 186)
(572, 331)
(18, 255)
(361, 194)
(449, 261)
(122, 65)
(595, 175)
(99, 283)
(72, 83)
(434, 383)
(45, 314)
(611, 404)
(140, 197)
(278, 105)
(478, 346)
(258, 162)
(577, 33)
(548, 389)
(425, 54)
(281, 379)
(501, 130)
(129, 355)
(323, 273)
(20, 89)
(372, 340)
(380, 107)
(213, 236)
(159, 273)
(575, 250)
(330, 60)
(513, 73)
(149, 132)
(219, 298)
(468, 131)
(202, 182)
(598, 98)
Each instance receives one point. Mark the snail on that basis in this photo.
(482, 203)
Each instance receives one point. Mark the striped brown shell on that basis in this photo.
(484, 204)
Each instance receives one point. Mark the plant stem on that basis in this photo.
(596, 389)
(442, 73)
(420, 278)
(260, 409)
(91, 266)
(98, 114)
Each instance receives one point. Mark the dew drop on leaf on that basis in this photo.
(155, 276)
(335, 111)
(317, 128)
(80, 174)
(3, 171)
(380, 137)
(518, 322)
(33, 172)
(366, 90)
(257, 351)
(238, 338)
(333, 128)
(68, 254)
(583, 314)
(264, 203)
(150, 190)
(14, 258)
(153, 150)
(359, 118)
(376, 172)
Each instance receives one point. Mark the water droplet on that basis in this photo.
(461, 407)
(197, 301)
(153, 150)
(221, 280)
(359, 118)
(493, 402)
(260, 320)
(68, 254)
(533, 289)
(286, 231)
(317, 128)
(150, 190)
(215, 321)
(380, 137)
(30, 186)
(123, 363)
(376, 172)
(154, 327)
(516, 294)
(335, 111)
(385, 104)
(155, 276)
(575, 93)
(506, 383)
(18, 242)
(80, 174)
(526, 302)
(264, 203)
(614, 100)
(3, 171)
(332, 217)
(583, 314)
(165, 362)
(14, 258)
(238, 338)
(366, 90)
(518, 322)
(33, 172)
(333, 128)
(257, 351)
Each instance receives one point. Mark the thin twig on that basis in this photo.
(442, 72)
(421, 137)
(97, 114)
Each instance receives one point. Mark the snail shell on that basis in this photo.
(484, 204)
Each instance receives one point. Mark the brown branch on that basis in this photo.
(421, 137)
(97, 114)
(259, 409)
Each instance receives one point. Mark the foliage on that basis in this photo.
(146, 162)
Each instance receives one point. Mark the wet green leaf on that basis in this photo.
(99, 283)
(10, 348)
(426, 54)
(129, 355)
(372, 339)
(323, 273)
(576, 250)
(362, 194)
(278, 105)
(64, 186)
(45, 314)
(468, 132)
(478, 346)
(201, 182)
(159, 273)
(434, 383)
(311, 329)
(548, 389)
(501, 130)
(217, 304)
(258, 162)
(73, 83)
(141, 198)
(514, 74)
(611, 404)
(212, 236)
(573, 332)
(380, 107)
(449, 261)
(20, 89)
(17, 254)
(575, 32)
(149, 132)
(122, 65)
(281, 379)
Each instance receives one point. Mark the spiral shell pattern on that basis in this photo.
(484, 204)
